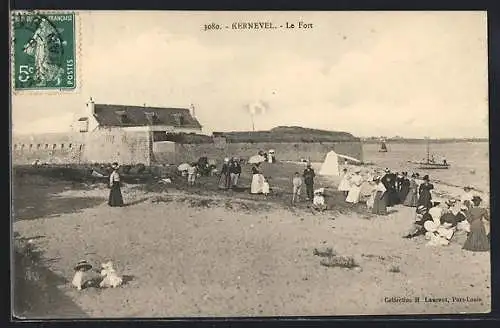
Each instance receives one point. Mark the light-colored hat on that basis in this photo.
(436, 212)
(226, 159)
(319, 191)
(451, 202)
(421, 209)
(357, 170)
(430, 226)
(83, 265)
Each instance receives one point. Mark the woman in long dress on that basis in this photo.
(411, 198)
(355, 190)
(257, 185)
(344, 184)
(404, 187)
(115, 194)
(478, 238)
(380, 198)
(424, 192)
(225, 178)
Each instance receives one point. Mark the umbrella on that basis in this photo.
(183, 167)
(256, 159)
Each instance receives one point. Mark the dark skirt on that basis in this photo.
(403, 193)
(224, 181)
(477, 240)
(425, 199)
(115, 195)
(411, 199)
(392, 197)
(380, 203)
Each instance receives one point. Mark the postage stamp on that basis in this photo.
(44, 50)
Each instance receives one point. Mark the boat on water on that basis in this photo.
(430, 163)
(383, 147)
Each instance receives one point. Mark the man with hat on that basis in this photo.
(309, 176)
(234, 171)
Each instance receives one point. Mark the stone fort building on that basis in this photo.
(156, 135)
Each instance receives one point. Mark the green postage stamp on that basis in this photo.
(43, 51)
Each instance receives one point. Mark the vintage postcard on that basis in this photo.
(242, 164)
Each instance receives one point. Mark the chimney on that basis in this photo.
(91, 107)
(192, 111)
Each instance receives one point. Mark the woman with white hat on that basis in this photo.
(344, 184)
(115, 194)
(355, 190)
(258, 180)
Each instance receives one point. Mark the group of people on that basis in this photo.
(440, 223)
(230, 173)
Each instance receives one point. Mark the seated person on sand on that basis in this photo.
(417, 228)
(466, 197)
(319, 200)
(453, 215)
(440, 230)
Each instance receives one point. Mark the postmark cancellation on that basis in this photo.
(43, 51)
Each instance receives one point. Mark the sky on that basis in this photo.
(410, 74)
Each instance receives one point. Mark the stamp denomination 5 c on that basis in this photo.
(43, 51)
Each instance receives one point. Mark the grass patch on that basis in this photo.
(346, 262)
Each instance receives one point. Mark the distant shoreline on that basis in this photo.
(418, 141)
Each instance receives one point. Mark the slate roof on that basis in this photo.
(123, 115)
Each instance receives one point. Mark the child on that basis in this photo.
(319, 200)
(265, 186)
(297, 187)
(192, 171)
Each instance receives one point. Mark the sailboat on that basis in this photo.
(383, 147)
(429, 163)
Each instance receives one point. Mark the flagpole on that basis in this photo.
(253, 123)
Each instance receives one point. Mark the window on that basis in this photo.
(22, 146)
(70, 145)
(38, 146)
(31, 146)
(122, 116)
(54, 146)
(152, 118)
(46, 146)
(15, 146)
(62, 146)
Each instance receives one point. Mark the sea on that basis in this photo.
(469, 161)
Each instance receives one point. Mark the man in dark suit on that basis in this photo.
(309, 181)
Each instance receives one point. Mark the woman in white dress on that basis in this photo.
(355, 190)
(257, 186)
(344, 185)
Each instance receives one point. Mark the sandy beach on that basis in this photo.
(188, 254)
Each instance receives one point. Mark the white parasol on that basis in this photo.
(183, 167)
(256, 159)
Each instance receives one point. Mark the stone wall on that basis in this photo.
(316, 152)
(132, 147)
(125, 147)
(59, 148)
(101, 146)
